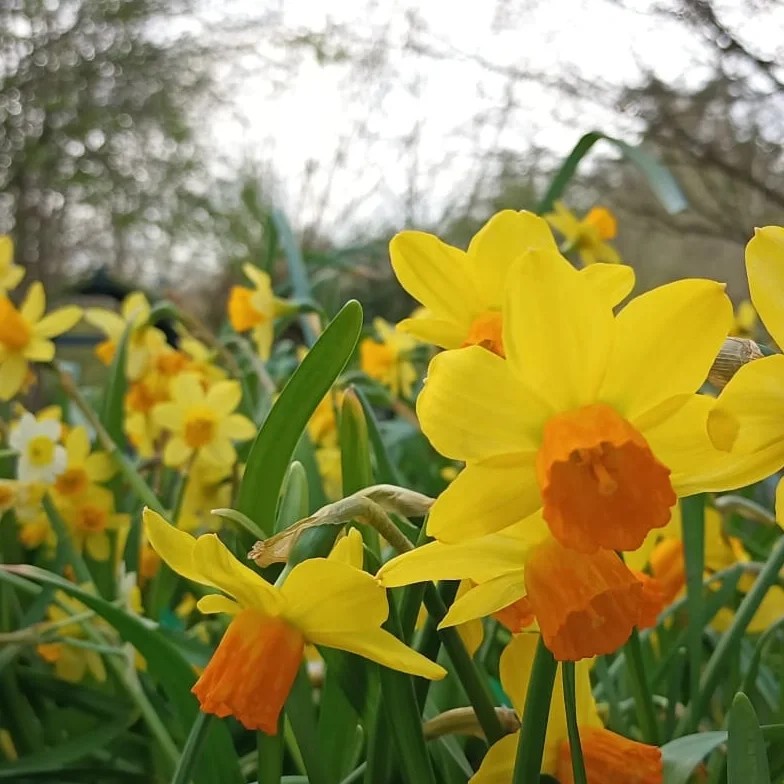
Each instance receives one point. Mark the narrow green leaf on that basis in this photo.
(271, 452)
(294, 500)
(192, 749)
(658, 177)
(573, 730)
(112, 412)
(682, 755)
(747, 758)
(640, 688)
(164, 662)
(302, 715)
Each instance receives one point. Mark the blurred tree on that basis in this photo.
(98, 162)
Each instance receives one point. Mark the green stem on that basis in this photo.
(570, 703)
(533, 729)
(768, 577)
(643, 699)
(190, 753)
(270, 754)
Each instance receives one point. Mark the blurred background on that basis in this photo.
(147, 142)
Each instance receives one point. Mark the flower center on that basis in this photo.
(243, 315)
(612, 759)
(15, 332)
(486, 331)
(601, 485)
(105, 351)
(251, 673)
(602, 222)
(40, 451)
(92, 519)
(199, 430)
(7, 495)
(72, 481)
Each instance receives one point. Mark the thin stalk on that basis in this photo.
(270, 754)
(570, 703)
(530, 747)
(190, 753)
(643, 699)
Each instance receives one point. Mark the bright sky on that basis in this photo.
(447, 108)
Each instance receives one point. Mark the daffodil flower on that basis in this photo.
(323, 601)
(386, 359)
(10, 274)
(202, 422)
(25, 336)
(609, 758)
(463, 291)
(749, 416)
(255, 309)
(90, 517)
(589, 235)
(83, 467)
(41, 457)
(592, 416)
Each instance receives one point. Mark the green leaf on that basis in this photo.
(164, 663)
(747, 759)
(271, 452)
(682, 755)
(658, 177)
(193, 748)
(112, 411)
(302, 715)
(294, 500)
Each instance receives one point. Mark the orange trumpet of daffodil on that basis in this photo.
(463, 291)
(609, 758)
(323, 601)
(592, 417)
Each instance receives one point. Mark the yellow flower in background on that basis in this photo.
(386, 359)
(202, 421)
(609, 758)
(208, 487)
(143, 341)
(589, 235)
(330, 467)
(746, 320)
(323, 423)
(37, 441)
(9, 494)
(462, 291)
(71, 663)
(592, 417)
(90, 517)
(10, 274)
(25, 336)
(749, 415)
(255, 309)
(83, 468)
(252, 670)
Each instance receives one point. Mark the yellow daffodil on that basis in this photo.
(255, 309)
(83, 467)
(10, 274)
(25, 336)
(592, 417)
(589, 235)
(71, 663)
(9, 494)
(746, 321)
(37, 441)
(585, 604)
(609, 758)
(330, 467)
(144, 340)
(463, 291)
(202, 421)
(749, 415)
(386, 359)
(90, 517)
(254, 666)
(208, 487)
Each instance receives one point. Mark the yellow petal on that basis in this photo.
(780, 503)
(472, 633)
(212, 559)
(176, 452)
(382, 647)
(169, 416)
(34, 303)
(224, 397)
(263, 337)
(485, 599)
(219, 451)
(186, 390)
(557, 330)
(501, 241)
(135, 308)
(435, 274)
(237, 427)
(665, 343)
(765, 269)
(97, 546)
(439, 332)
(473, 407)
(13, 370)
(39, 350)
(328, 596)
(638, 559)
(215, 603)
(58, 321)
(100, 467)
(485, 498)
(174, 546)
(498, 764)
(613, 282)
(349, 549)
(77, 444)
(107, 321)
(749, 414)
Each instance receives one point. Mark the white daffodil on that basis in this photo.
(41, 457)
